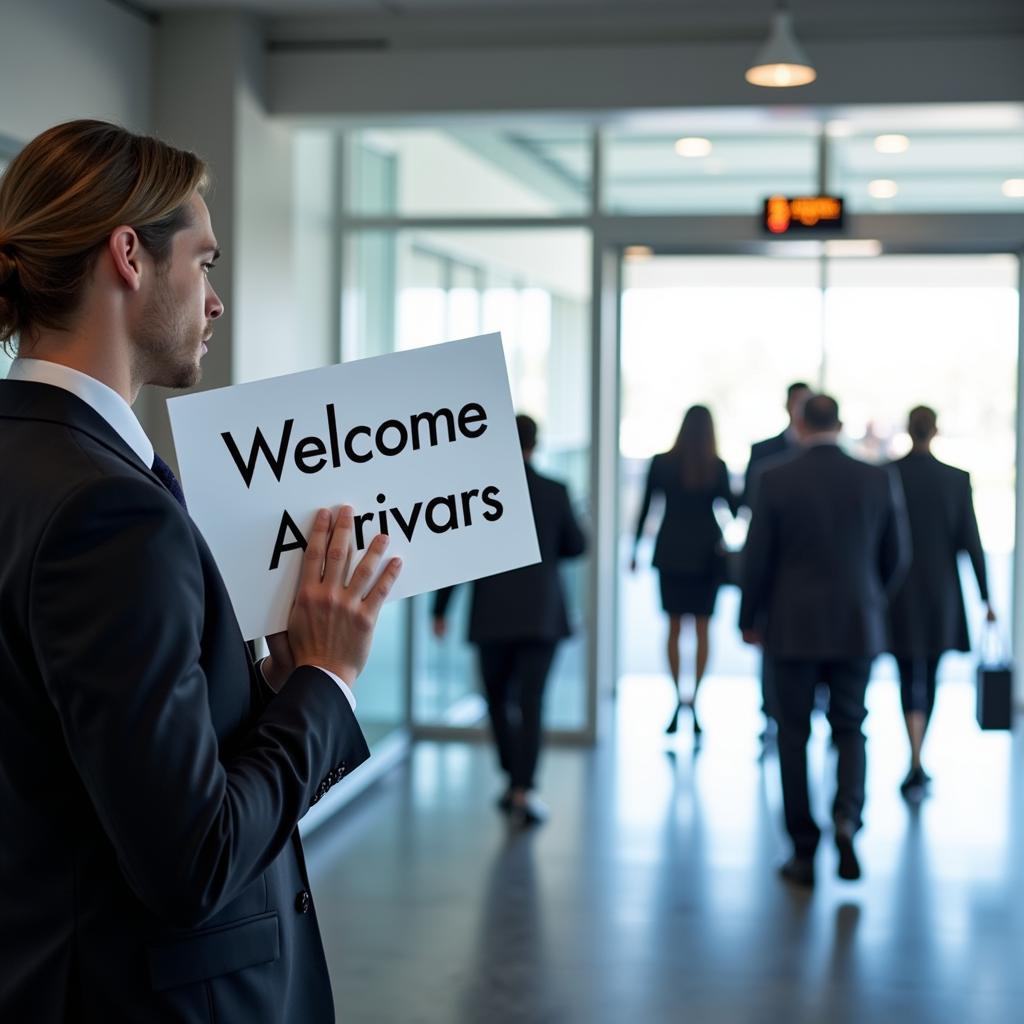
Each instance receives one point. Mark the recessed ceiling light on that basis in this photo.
(636, 253)
(1013, 188)
(892, 144)
(839, 129)
(845, 247)
(693, 146)
(882, 188)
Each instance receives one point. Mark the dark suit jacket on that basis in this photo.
(827, 539)
(760, 452)
(150, 784)
(689, 538)
(926, 616)
(528, 603)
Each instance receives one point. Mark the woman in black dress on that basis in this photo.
(926, 614)
(688, 553)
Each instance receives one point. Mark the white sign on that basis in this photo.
(422, 444)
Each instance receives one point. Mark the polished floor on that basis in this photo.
(651, 895)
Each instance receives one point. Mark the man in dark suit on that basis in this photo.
(516, 620)
(151, 777)
(926, 616)
(827, 541)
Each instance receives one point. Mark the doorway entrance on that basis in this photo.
(881, 335)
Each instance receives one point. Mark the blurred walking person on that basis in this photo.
(926, 616)
(827, 540)
(516, 620)
(688, 552)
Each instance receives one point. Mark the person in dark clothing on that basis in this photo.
(688, 552)
(926, 616)
(152, 777)
(763, 455)
(827, 539)
(516, 620)
(788, 442)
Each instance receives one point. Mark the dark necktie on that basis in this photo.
(166, 476)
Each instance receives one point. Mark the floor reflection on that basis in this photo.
(651, 894)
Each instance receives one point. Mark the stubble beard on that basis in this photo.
(168, 344)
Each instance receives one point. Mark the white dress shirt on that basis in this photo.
(119, 416)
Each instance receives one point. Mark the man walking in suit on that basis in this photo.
(516, 620)
(828, 540)
(151, 777)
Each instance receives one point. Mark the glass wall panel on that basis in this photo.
(727, 332)
(890, 333)
(498, 170)
(695, 169)
(929, 171)
(380, 691)
(532, 285)
(939, 331)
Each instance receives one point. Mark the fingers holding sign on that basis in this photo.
(332, 621)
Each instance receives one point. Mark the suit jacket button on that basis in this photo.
(303, 901)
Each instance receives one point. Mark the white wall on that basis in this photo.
(62, 59)
(266, 206)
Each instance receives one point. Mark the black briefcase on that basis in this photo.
(995, 693)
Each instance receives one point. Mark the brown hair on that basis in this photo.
(60, 199)
(696, 450)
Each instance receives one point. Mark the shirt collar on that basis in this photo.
(106, 401)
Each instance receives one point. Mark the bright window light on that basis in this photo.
(892, 143)
(693, 146)
(882, 188)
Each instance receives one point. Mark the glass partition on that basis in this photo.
(706, 169)
(939, 331)
(884, 335)
(496, 170)
(727, 332)
(419, 287)
(929, 171)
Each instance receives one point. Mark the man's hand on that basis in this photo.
(752, 637)
(440, 627)
(331, 624)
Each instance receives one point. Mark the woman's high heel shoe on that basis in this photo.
(673, 725)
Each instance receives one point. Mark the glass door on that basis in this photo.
(728, 332)
(881, 335)
(420, 286)
(940, 331)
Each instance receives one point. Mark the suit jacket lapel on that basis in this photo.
(29, 400)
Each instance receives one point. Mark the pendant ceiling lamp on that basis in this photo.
(781, 63)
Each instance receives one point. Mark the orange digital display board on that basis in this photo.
(791, 215)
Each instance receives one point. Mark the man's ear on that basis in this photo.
(126, 254)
